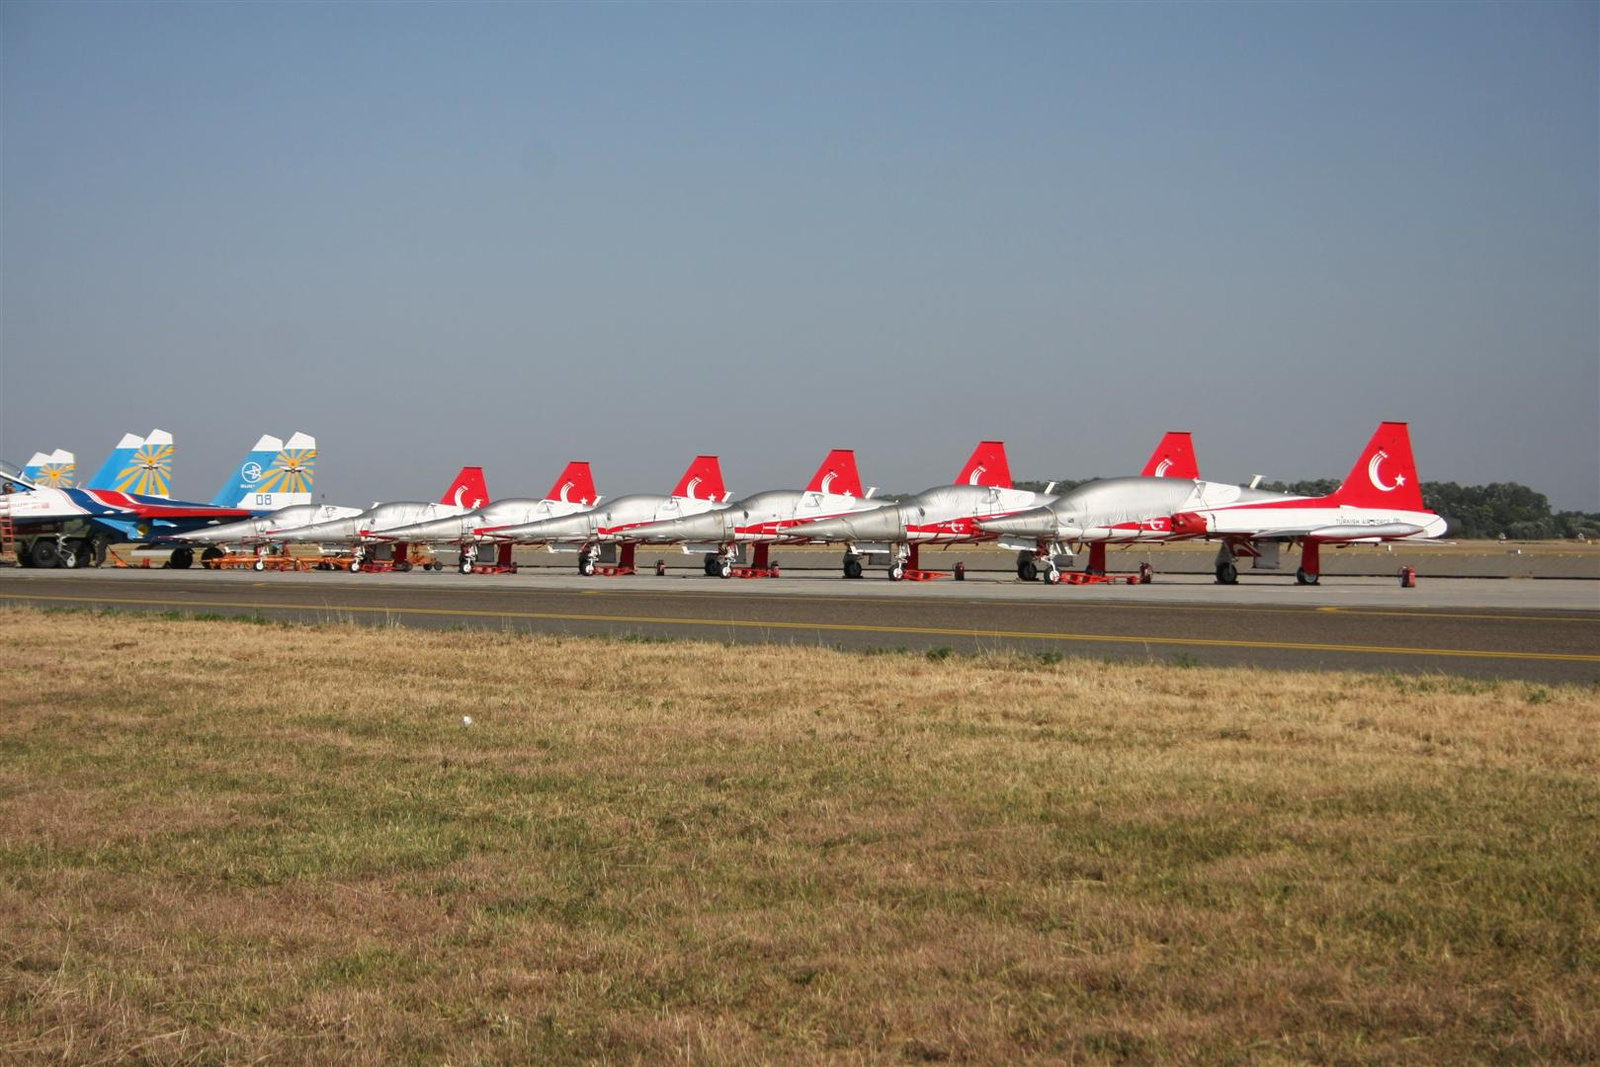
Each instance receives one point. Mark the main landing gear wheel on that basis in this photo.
(897, 571)
(725, 568)
(586, 566)
(212, 552)
(852, 568)
(1304, 577)
(712, 567)
(1052, 577)
(1227, 574)
(182, 558)
(44, 554)
(1028, 570)
(67, 553)
(466, 566)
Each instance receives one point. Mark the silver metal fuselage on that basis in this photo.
(777, 516)
(945, 514)
(369, 525)
(256, 530)
(485, 524)
(1114, 510)
(607, 522)
(1128, 510)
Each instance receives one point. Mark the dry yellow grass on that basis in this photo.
(222, 841)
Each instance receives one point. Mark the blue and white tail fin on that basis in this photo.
(57, 470)
(121, 456)
(241, 484)
(274, 475)
(148, 471)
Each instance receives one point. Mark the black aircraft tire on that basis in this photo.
(1227, 574)
(43, 553)
(852, 568)
(182, 558)
(1028, 571)
(212, 552)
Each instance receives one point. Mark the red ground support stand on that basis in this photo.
(1082, 578)
(623, 567)
(1408, 577)
(401, 559)
(760, 567)
(915, 573)
(1142, 576)
(503, 563)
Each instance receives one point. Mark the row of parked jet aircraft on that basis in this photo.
(267, 504)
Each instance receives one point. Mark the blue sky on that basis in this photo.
(519, 234)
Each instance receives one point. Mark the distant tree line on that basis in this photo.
(1473, 511)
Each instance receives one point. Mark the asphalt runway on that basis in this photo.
(1537, 631)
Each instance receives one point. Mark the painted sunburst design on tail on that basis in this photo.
(148, 472)
(291, 472)
(58, 475)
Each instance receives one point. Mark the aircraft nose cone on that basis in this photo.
(883, 524)
(1039, 522)
(438, 530)
(568, 528)
(711, 526)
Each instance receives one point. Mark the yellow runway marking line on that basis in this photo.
(1385, 613)
(841, 627)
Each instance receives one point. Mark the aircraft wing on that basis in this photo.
(145, 507)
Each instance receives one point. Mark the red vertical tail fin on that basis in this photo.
(468, 490)
(702, 481)
(1386, 473)
(1173, 458)
(987, 466)
(837, 474)
(575, 485)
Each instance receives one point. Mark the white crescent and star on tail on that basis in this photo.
(1376, 478)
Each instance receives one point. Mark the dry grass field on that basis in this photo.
(232, 842)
